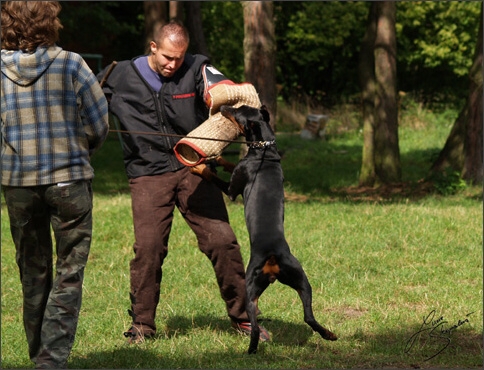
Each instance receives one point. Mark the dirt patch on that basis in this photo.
(349, 312)
(413, 190)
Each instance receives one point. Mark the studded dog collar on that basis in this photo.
(261, 144)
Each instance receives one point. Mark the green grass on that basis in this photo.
(378, 265)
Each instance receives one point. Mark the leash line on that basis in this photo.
(252, 144)
(178, 135)
(258, 169)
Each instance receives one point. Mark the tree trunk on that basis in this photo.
(156, 14)
(387, 153)
(260, 52)
(473, 170)
(452, 155)
(176, 10)
(193, 21)
(377, 75)
(463, 150)
(366, 73)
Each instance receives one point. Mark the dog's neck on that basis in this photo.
(263, 150)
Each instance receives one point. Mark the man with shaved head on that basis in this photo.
(157, 99)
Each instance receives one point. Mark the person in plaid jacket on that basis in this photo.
(54, 117)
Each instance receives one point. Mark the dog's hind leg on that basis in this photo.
(255, 333)
(306, 297)
(293, 275)
(256, 284)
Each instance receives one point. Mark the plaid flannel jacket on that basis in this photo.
(54, 115)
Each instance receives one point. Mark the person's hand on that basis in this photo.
(227, 166)
(203, 171)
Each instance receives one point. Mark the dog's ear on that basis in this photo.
(265, 114)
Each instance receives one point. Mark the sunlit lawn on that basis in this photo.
(381, 270)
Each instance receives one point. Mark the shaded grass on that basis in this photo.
(311, 167)
(377, 268)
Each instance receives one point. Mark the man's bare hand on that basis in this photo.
(227, 166)
(203, 171)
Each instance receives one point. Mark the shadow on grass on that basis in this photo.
(360, 350)
(290, 334)
(312, 170)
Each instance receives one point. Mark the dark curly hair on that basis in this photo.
(27, 25)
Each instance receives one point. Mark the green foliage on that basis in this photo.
(436, 44)
(448, 182)
(318, 43)
(114, 29)
(415, 114)
(317, 47)
(434, 34)
(223, 25)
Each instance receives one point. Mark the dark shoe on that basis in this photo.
(245, 327)
(137, 334)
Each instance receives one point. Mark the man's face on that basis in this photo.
(166, 57)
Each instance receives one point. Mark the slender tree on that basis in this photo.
(387, 152)
(175, 10)
(260, 52)
(156, 14)
(366, 73)
(377, 69)
(193, 21)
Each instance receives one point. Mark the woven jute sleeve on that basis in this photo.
(209, 139)
(233, 95)
(219, 131)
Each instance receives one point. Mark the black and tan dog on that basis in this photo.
(258, 178)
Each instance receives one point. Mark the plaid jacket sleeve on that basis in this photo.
(93, 107)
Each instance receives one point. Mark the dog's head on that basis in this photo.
(253, 122)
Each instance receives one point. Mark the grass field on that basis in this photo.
(396, 275)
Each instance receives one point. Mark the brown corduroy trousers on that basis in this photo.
(201, 203)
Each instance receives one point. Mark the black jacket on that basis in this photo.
(176, 109)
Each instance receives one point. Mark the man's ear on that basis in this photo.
(153, 47)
